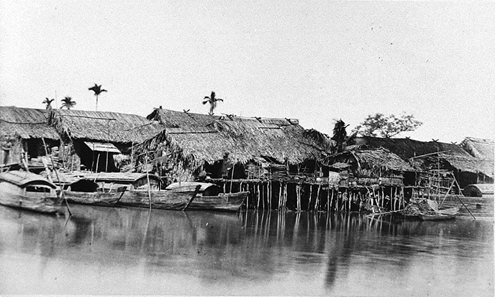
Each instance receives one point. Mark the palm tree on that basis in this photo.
(213, 102)
(98, 90)
(48, 102)
(67, 103)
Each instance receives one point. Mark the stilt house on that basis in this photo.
(98, 140)
(193, 146)
(370, 167)
(435, 156)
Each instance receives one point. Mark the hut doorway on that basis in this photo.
(96, 156)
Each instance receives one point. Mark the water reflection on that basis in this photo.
(167, 252)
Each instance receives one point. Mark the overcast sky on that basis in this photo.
(313, 60)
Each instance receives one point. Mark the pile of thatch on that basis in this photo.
(25, 123)
(103, 126)
(208, 138)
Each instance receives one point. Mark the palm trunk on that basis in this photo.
(96, 108)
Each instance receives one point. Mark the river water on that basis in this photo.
(136, 251)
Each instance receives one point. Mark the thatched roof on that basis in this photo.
(407, 148)
(452, 153)
(208, 138)
(470, 164)
(104, 126)
(382, 158)
(372, 159)
(25, 123)
(479, 148)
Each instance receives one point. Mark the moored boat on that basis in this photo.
(137, 193)
(436, 217)
(87, 192)
(29, 191)
(177, 200)
(427, 210)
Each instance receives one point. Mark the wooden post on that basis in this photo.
(298, 194)
(318, 197)
(196, 191)
(262, 195)
(97, 161)
(279, 195)
(232, 177)
(106, 163)
(258, 195)
(331, 200)
(382, 197)
(269, 194)
(310, 196)
(286, 194)
(328, 198)
(149, 186)
(62, 193)
(350, 197)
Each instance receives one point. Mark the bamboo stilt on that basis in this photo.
(258, 195)
(286, 194)
(350, 197)
(331, 200)
(310, 196)
(270, 194)
(262, 194)
(328, 198)
(298, 194)
(317, 197)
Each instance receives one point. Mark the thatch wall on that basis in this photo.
(26, 123)
(208, 138)
(103, 126)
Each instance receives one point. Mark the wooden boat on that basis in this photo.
(177, 196)
(87, 192)
(436, 217)
(29, 191)
(440, 215)
(171, 200)
(98, 198)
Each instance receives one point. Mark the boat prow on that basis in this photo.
(29, 191)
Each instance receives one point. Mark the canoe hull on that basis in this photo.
(92, 198)
(177, 200)
(231, 202)
(437, 217)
